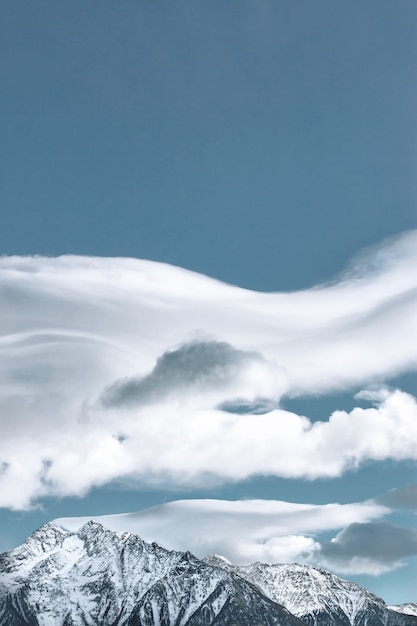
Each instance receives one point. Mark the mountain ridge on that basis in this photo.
(97, 577)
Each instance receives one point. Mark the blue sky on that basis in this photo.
(265, 145)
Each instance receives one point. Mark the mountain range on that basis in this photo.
(96, 577)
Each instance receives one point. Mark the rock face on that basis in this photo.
(95, 577)
(317, 597)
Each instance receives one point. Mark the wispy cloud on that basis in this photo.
(273, 531)
(120, 367)
(243, 531)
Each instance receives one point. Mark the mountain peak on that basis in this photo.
(216, 560)
(95, 576)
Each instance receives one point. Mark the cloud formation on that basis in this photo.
(369, 548)
(273, 531)
(195, 367)
(243, 531)
(120, 367)
(400, 498)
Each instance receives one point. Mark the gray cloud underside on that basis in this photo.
(379, 542)
(400, 498)
(192, 366)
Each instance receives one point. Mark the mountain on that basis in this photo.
(409, 609)
(317, 597)
(95, 577)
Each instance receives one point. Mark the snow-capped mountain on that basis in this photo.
(410, 608)
(96, 577)
(101, 578)
(317, 597)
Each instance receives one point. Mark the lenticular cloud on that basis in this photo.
(242, 531)
(116, 367)
(272, 531)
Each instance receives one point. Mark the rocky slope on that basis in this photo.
(317, 597)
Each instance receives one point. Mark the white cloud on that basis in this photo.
(187, 446)
(76, 329)
(243, 531)
(272, 531)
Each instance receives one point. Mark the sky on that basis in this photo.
(208, 286)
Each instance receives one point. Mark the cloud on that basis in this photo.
(196, 366)
(400, 498)
(243, 531)
(370, 548)
(175, 445)
(192, 444)
(272, 531)
(124, 368)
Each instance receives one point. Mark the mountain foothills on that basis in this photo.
(95, 577)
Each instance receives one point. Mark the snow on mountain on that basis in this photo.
(95, 577)
(314, 595)
(409, 609)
